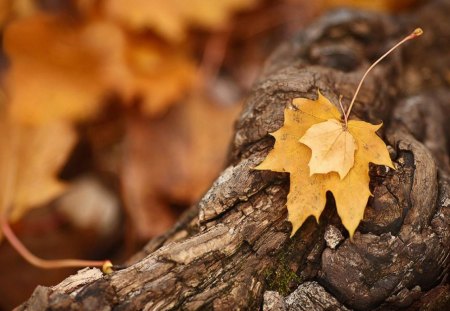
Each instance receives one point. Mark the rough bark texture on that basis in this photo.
(233, 251)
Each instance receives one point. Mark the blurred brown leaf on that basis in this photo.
(173, 160)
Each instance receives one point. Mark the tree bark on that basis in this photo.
(232, 250)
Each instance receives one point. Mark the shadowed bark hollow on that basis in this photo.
(233, 251)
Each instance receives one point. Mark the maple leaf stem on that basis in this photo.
(417, 32)
(44, 263)
(343, 111)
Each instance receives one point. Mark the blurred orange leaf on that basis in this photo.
(18, 8)
(171, 18)
(161, 74)
(376, 5)
(69, 75)
(30, 158)
(4, 11)
(61, 69)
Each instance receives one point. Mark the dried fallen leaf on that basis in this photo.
(307, 195)
(315, 130)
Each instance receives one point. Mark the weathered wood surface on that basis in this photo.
(233, 251)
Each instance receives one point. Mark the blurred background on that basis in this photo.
(116, 115)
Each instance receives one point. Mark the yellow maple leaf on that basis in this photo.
(338, 151)
(307, 195)
(332, 145)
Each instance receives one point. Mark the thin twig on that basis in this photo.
(39, 262)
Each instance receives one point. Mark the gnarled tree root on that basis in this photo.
(233, 251)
